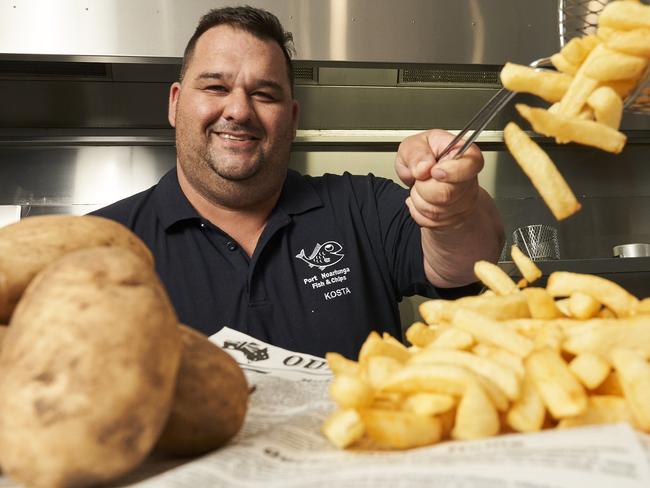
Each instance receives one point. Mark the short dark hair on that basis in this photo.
(258, 22)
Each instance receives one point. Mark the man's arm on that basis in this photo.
(459, 221)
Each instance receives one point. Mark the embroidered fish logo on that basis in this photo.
(323, 255)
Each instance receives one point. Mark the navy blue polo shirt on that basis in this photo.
(337, 255)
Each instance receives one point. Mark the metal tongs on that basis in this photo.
(483, 117)
(636, 102)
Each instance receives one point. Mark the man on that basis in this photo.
(309, 264)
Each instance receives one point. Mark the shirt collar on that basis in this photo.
(297, 196)
(171, 203)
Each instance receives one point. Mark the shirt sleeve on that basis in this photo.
(395, 235)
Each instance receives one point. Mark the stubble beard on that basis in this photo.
(222, 183)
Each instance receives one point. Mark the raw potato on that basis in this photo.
(26, 247)
(87, 370)
(210, 401)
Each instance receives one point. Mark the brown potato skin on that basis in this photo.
(29, 245)
(210, 402)
(87, 370)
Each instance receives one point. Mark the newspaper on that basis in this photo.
(280, 444)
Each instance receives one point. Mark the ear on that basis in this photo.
(295, 114)
(174, 93)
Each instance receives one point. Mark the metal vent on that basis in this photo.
(49, 69)
(451, 75)
(305, 74)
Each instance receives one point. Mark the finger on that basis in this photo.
(414, 154)
(447, 203)
(457, 170)
(424, 221)
(419, 219)
(403, 171)
(442, 200)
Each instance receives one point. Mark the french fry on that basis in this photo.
(561, 392)
(607, 106)
(611, 386)
(540, 303)
(343, 428)
(576, 50)
(550, 336)
(502, 376)
(436, 311)
(583, 306)
(429, 403)
(526, 327)
(581, 87)
(590, 369)
(635, 42)
(350, 392)
(622, 87)
(430, 378)
(548, 85)
(563, 306)
(643, 307)
(543, 174)
(634, 374)
(476, 417)
(374, 345)
(420, 334)
(443, 379)
(600, 410)
(605, 33)
(625, 16)
(570, 129)
(602, 336)
(563, 65)
(494, 278)
(610, 65)
(525, 265)
(501, 307)
(379, 369)
(341, 365)
(387, 400)
(400, 429)
(453, 338)
(612, 295)
(527, 413)
(492, 332)
(501, 356)
(606, 313)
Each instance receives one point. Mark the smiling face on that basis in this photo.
(235, 118)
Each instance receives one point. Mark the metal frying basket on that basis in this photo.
(578, 18)
(538, 242)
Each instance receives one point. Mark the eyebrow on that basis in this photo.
(218, 75)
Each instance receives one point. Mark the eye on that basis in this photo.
(216, 88)
(265, 96)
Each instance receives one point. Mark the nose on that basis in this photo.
(237, 107)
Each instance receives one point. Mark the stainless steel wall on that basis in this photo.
(408, 31)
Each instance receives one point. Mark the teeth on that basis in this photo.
(234, 138)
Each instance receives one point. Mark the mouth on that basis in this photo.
(236, 136)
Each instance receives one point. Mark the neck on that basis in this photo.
(244, 225)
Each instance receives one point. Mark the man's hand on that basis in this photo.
(460, 223)
(442, 192)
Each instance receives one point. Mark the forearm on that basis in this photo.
(450, 252)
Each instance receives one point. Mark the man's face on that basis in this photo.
(235, 118)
